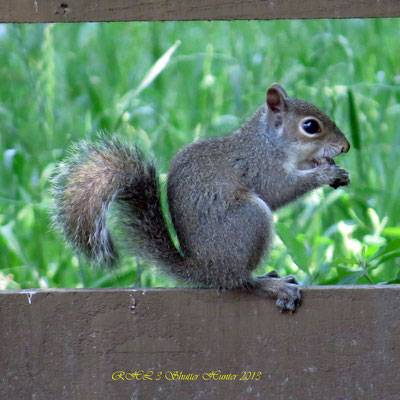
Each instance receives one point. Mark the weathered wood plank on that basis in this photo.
(183, 10)
(343, 343)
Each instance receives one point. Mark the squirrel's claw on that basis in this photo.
(272, 274)
(286, 290)
(289, 299)
(341, 179)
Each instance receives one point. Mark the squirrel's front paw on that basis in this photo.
(341, 179)
(337, 176)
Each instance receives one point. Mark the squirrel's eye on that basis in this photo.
(311, 126)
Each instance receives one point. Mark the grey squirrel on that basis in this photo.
(221, 194)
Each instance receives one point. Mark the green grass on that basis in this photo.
(59, 83)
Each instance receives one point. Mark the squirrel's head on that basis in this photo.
(312, 138)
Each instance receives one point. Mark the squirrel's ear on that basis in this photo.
(276, 96)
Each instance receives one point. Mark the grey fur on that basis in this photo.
(221, 194)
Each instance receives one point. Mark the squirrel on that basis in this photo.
(221, 194)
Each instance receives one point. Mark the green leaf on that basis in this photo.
(390, 256)
(390, 247)
(352, 278)
(395, 280)
(154, 71)
(13, 243)
(340, 261)
(354, 123)
(295, 247)
(391, 231)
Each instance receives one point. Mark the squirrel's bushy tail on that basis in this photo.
(89, 180)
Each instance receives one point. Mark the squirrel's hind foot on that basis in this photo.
(285, 290)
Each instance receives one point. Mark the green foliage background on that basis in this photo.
(164, 85)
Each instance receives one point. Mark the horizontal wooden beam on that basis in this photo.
(343, 343)
(185, 10)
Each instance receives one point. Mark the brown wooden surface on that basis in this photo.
(164, 10)
(343, 343)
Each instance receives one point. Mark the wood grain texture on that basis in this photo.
(343, 343)
(184, 10)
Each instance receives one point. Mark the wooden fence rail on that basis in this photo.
(166, 10)
(343, 343)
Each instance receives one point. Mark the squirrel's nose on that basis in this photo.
(346, 147)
